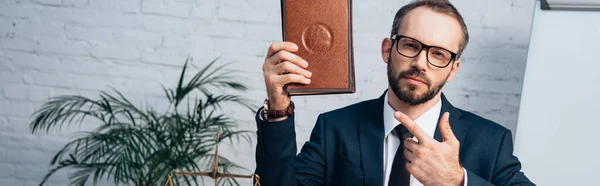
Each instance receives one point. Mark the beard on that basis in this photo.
(409, 93)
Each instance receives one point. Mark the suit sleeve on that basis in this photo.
(276, 160)
(507, 170)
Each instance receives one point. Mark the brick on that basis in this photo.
(139, 86)
(49, 2)
(85, 65)
(17, 44)
(229, 29)
(166, 59)
(263, 32)
(14, 141)
(35, 172)
(58, 91)
(142, 39)
(6, 25)
(176, 41)
(115, 19)
(244, 11)
(201, 27)
(49, 79)
(15, 92)
(47, 183)
(167, 8)
(34, 61)
(3, 126)
(75, 3)
(240, 46)
(69, 15)
(129, 6)
(86, 33)
(19, 125)
(251, 71)
(92, 82)
(240, 13)
(204, 10)
(167, 24)
(97, 18)
(10, 77)
(63, 46)
(115, 52)
(170, 51)
(364, 10)
(504, 10)
(5, 63)
(366, 29)
(39, 93)
(10, 181)
(18, 10)
(50, 143)
(136, 72)
(201, 44)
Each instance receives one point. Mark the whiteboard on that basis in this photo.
(559, 117)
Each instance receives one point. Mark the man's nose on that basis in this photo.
(420, 62)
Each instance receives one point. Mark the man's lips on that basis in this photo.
(416, 79)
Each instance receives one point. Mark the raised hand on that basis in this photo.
(429, 161)
(282, 66)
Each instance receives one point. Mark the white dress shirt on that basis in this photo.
(427, 121)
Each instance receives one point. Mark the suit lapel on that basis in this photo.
(459, 127)
(371, 141)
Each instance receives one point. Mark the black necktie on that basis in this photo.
(399, 176)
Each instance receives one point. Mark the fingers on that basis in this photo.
(286, 56)
(278, 46)
(288, 67)
(413, 127)
(282, 67)
(410, 144)
(409, 155)
(445, 130)
(292, 78)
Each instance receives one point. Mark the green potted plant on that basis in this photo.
(141, 146)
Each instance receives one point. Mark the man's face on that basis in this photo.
(413, 80)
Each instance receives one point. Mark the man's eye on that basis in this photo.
(410, 45)
(439, 54)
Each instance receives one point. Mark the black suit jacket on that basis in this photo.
(346, 148)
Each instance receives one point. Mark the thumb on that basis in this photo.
(445, 129)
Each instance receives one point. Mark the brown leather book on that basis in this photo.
(322, 30)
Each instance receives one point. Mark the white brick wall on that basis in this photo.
(55, 47)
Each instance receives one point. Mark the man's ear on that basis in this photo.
(386, 48)
(453, 70)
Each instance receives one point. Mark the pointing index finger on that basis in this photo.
(412, 127)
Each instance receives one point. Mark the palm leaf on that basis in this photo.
(140, 146)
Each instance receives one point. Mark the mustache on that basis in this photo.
(412, 72)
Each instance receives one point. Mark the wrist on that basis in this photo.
(261, 112)
(276, 114)
(278, 101)
(278, 105)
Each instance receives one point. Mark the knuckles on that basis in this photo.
(272, 47)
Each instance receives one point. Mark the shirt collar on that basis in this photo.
(427, 121)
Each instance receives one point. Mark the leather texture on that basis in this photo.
(323, 31)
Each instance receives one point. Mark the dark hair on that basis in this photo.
(441, 6)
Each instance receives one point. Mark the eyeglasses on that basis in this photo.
(411, 48)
